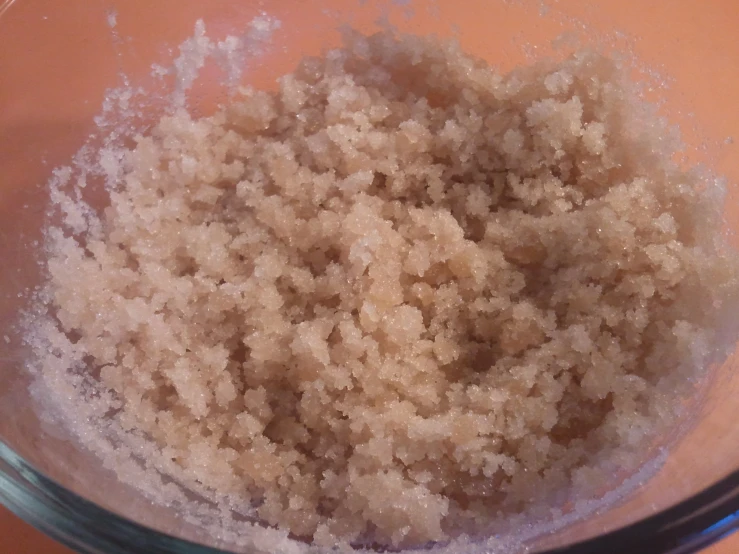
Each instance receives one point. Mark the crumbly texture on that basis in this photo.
(403, 294)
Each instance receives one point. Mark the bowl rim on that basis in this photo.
(688, 526)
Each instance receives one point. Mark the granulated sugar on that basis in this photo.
(403, 296)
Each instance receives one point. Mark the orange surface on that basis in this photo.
(25, 539)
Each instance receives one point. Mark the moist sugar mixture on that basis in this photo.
(401, 295)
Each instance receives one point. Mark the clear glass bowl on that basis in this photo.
(57, 59)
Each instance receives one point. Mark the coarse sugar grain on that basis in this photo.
(403, 294)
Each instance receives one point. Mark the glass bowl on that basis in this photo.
(58, 59)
